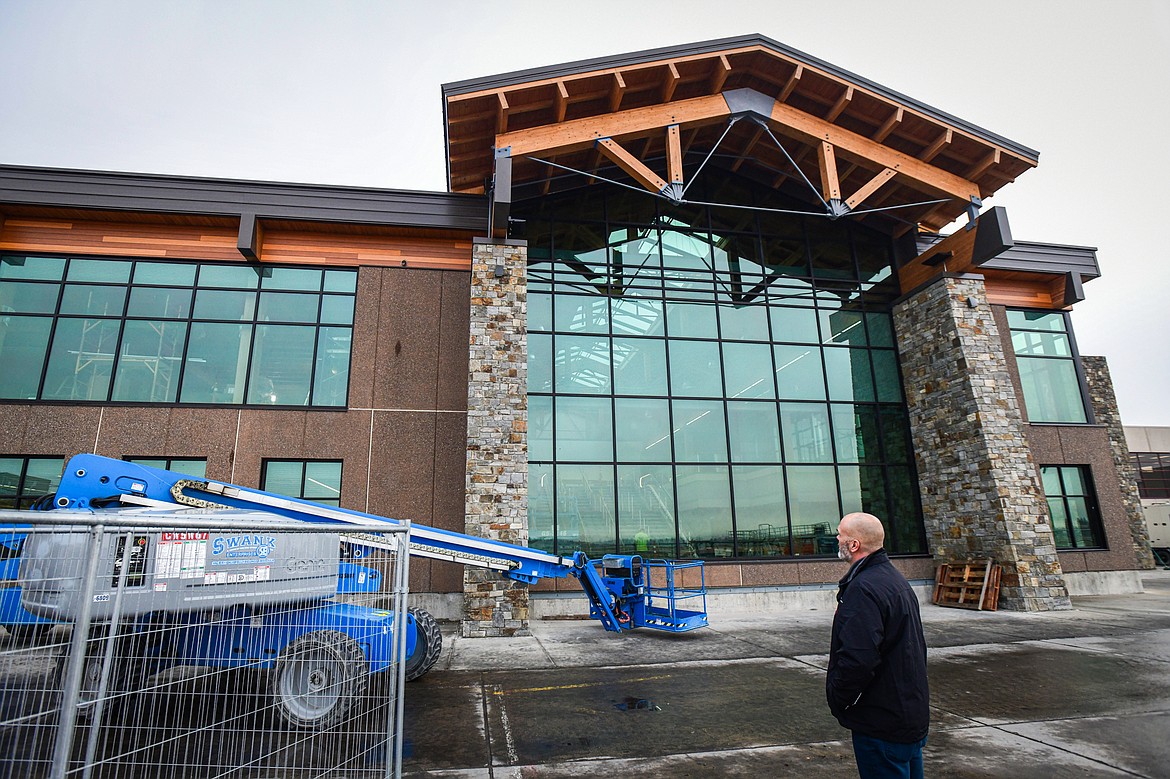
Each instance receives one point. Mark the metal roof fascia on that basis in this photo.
(228, 197)
(1032, 256)
(1023, 257)
(711, 46)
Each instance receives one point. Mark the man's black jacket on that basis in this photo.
(876, 683)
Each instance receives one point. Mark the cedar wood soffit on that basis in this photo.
(249, 206)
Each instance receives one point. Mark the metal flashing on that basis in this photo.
(156, 193)
(993, 236)
(749, 102)
(1036, 257)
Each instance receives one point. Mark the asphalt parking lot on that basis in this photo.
(1080, 693)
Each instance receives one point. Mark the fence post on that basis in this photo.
(108, 656)
(395, 715)
(75, 662)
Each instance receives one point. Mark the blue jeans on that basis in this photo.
(877, 759)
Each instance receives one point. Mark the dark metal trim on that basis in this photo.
(248, 242)
(154, 193)
(722, 44)
(993, 236)
(1074, 290)
(750, 102)
(500, 202)
(1034, 257)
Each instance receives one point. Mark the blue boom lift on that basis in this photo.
(320, 648)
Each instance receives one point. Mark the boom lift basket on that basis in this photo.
(682, 582)
(647, 593)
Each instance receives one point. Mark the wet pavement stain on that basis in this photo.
(636, 704)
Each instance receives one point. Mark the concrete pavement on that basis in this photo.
(1080, 693)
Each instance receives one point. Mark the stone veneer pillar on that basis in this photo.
(980, 487)
(497, 432)
(1106, 412)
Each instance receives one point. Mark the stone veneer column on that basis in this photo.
(1106, 412)
(497, 432)
(981, 494)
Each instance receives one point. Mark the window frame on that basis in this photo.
(675, 278)
(169, 463)
(1074, 357)
(20, 499)
(116, 369)
(1157, 464)
(304, 463)
(1092, 508)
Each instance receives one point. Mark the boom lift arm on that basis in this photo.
(624, 591)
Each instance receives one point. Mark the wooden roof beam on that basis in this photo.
(501, 114)
(617, 91)
(583, 133)
(841, 104)
(889, 125)
(848, 144)
(560, 101)
(700, 111)
(719, 74)
(989, 160)
(674, 167)
(631, 165)
(793, 80)
(871, 186)
(931, 151)
(830, 184)
(670, 83)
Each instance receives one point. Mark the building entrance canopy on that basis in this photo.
(658, 118)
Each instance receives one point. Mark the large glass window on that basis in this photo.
(708, 384)
(1072, 505)
(315, 480)
(188, 466)
(1047, 360)
(24, 479)
(1153, 472)
(142, 331)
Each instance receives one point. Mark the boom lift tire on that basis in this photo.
(117, 685)
(130, 667)
(318, 680)
(427, 646)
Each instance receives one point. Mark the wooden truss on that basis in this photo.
(630, 126)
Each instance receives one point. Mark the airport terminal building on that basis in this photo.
(691, 302)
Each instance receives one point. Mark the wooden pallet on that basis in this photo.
(972, 585)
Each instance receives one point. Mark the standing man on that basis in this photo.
(876, 683)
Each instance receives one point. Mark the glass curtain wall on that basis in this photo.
(709, 382)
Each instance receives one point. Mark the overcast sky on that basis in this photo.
(349, 93)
